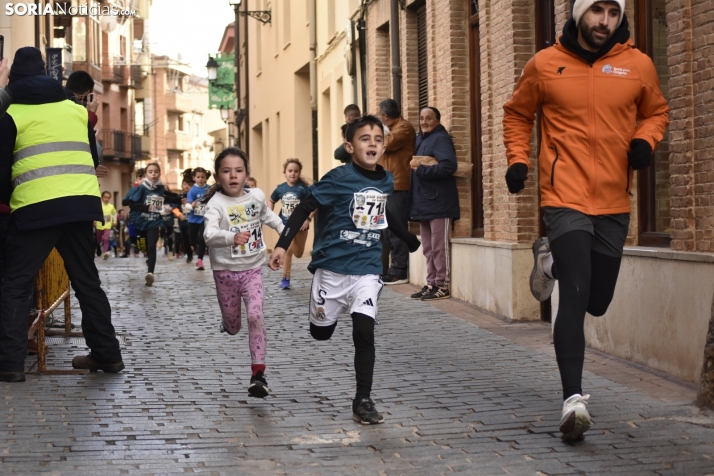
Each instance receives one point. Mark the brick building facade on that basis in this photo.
(464, 57)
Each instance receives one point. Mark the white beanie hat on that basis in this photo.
(582, 6)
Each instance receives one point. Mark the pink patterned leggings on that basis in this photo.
(231, 287)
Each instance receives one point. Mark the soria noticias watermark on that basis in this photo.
(33, 9)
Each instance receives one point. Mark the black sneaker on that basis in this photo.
(391, 279)
(258, 386)
(420, 294)
(364, 412)
(12, 376)
(436, 293)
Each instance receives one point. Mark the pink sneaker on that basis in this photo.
(199, 265)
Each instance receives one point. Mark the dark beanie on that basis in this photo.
(28, 62)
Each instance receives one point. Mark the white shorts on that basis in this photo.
(333, 294)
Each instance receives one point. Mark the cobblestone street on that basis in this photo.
(456, 398)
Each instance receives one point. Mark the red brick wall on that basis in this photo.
(507, 43)
(690, 25)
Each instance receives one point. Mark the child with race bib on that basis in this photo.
(110, 218)
(195, 218)
(347, 257)
(234, 221)
(290, 193)
(148, 200)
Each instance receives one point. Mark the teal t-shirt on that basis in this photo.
(352, 213)
(289, 198)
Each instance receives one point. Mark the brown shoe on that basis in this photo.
(88, 363)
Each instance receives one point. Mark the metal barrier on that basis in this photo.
(51, 289)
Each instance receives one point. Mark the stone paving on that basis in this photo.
(456, 398)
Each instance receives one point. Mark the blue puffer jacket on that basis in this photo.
(433, 189)
(143, 201)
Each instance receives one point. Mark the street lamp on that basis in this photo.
(224, 114)
(212, 67)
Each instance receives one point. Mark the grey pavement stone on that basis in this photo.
(457, 399)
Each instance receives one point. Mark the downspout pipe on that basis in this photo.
(236, 66)
(396, 51)
(247, 80)
(353, 57)
(312, 10)
(363, 59)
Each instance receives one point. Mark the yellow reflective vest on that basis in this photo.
(52, 158)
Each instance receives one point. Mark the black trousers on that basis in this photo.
(363, 339)
(586, 282)
(195, 234)
(147, 240)
(28, 251)
(186, 242)
(397, 205)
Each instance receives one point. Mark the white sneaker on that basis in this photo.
(541, 284)
(576, 419)
(106, 256)
(149, 279)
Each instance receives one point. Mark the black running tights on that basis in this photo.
(363, 338)
(586, 282)
(195, 234)
(147, 239)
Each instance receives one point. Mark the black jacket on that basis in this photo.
(43, 90)
(433, 189)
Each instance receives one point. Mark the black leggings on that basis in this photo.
(363, 339)
(186, 242)
(586, 281)
(146, 240)
(195, 234)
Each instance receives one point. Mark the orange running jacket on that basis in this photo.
(590, 115)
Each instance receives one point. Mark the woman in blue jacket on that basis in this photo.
(434, 201)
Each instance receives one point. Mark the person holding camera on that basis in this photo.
(48, 158)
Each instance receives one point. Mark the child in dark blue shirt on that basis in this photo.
(195, 218)
(346, 260)
(290, 193)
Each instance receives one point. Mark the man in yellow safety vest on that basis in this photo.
(48, 157)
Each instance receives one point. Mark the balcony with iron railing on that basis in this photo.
(113, 69)
(120, 145)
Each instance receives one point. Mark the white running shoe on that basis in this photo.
(576, 419)
(149, 279)
(541, 284)
(106, 256)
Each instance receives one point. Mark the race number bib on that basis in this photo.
(200, 209)
(289, 201)
(155, 203)
(255, 243)
(370, 210)
(108, 219)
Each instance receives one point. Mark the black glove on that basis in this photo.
(413, 243)
(640, 154)
(516, 175)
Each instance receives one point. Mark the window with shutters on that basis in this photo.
(422, 58)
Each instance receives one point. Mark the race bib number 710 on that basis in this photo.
(370, 210)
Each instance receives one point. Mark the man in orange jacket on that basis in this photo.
(603, 114)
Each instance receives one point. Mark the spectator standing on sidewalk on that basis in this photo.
(603, 114)
(53, 206)
(352, 113)
(398, 152)
(434, 202)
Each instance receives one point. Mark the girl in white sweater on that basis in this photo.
(234, 220)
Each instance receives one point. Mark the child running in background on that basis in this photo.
(250, 182)
(133, 215)
(148, 199)
(104, 230)
(183, 217)
(290, 193)
(195, 218)
(234, 221)
(346, 261)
